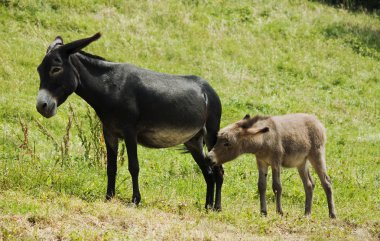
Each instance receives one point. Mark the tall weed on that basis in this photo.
(91, 137)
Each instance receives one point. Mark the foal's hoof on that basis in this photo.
(332, 215)
(264, 213)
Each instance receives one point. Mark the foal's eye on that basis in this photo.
(55, 70)
(227, 144)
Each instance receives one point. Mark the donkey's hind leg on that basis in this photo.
(195, 147)
(218, 171)
(319, 163)
(308, 185)
(218, 177)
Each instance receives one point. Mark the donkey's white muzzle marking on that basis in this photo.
(46, 103)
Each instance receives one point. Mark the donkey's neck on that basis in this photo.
(94, 74)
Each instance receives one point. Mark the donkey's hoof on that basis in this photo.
(136, 200)
(208, 206)
(109, 197)
(217, 209)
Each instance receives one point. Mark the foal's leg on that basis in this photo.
(133, 164)
(195, 146)
(112, 147)
(319, 163)
(276, 186)
(308, 185)
(262, 185)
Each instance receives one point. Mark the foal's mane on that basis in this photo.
(249, 122)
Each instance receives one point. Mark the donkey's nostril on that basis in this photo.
(46, 103)
(42, 106)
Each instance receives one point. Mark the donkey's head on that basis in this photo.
(58, 77)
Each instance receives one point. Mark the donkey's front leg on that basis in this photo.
(262, 185)
(276, 185)
(133, 164)
(112, 147)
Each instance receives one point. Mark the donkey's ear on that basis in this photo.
(255, 130)
(77, 45)
(57, 41)
(247, 116)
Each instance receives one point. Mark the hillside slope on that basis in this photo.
(265, 57)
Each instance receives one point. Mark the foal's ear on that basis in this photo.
(243, 122)
(77, 45)
(57, 41)
(256, 130)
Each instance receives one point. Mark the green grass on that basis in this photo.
(262, 57)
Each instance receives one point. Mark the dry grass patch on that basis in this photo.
(72, 218)
(53, 217)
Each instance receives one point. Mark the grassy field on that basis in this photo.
(262, 57)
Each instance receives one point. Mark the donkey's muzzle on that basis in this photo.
(46, 104)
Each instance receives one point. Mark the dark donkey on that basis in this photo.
(140, 106)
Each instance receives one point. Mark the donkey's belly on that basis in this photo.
(165, 137)
(294, 160)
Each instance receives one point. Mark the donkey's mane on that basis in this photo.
(91, 55)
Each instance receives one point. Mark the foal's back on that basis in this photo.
(299, 135)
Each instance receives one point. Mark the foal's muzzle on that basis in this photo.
(211, 160)
(46, 103)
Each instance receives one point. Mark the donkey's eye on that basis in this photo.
(55, 70)
(227, 144)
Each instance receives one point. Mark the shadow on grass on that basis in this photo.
(364, 41)
(354, 5)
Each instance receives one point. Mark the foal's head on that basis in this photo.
(58, 78)
(240, 137)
